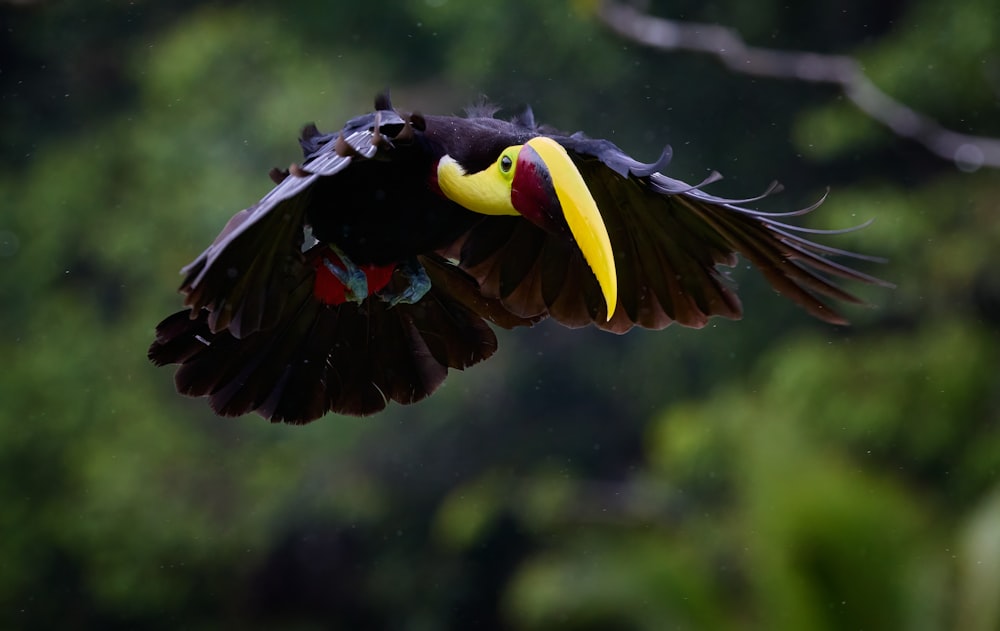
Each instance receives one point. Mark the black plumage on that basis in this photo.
(255, 336)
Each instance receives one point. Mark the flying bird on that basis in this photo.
(384, 259)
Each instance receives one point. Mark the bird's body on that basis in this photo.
(384, 210)
(435, 225)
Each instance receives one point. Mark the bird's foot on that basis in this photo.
(418, 283)
(353, 277)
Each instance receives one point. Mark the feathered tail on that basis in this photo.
(349, 358)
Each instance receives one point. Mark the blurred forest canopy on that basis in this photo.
(774, 473)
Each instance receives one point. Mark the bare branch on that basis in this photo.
(968, 152)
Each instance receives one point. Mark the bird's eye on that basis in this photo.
(506, 163)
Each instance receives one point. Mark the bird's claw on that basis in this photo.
(418, 283)
(353, 277)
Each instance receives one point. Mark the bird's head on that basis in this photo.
(538, 181)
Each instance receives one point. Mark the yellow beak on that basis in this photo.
(539, 181)
(543, 166)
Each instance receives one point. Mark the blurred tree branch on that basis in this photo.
(968, 152)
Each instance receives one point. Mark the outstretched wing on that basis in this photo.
(243, 278)
(669, 240)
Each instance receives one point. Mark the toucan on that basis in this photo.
(384, 259)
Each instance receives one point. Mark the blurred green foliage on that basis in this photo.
(774, 473)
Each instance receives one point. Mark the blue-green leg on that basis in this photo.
(353, 277)
(418, 283)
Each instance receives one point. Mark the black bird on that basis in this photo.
(376, 265)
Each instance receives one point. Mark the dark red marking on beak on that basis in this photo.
(533, 195)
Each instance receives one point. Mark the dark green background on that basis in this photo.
(775, 473)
